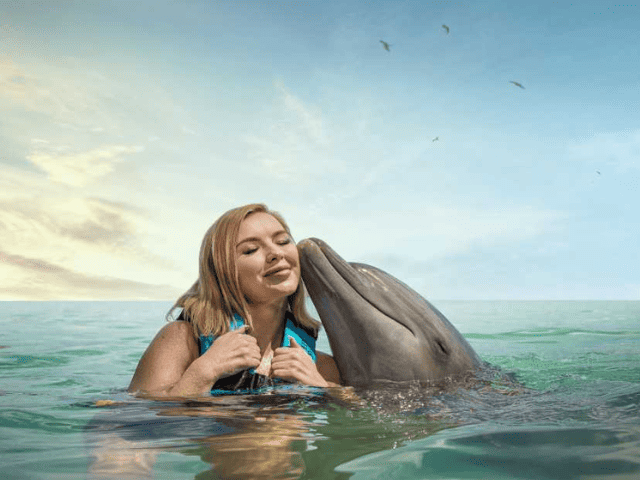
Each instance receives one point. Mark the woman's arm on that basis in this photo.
(171, 366)
(328, 369)
(166, 360)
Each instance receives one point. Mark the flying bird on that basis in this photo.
(435, 139)
(516, 84)
(446, 28)
(385, 45)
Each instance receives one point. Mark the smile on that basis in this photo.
(278, 271)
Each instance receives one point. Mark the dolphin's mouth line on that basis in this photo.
(354, 279)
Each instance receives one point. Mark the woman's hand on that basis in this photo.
(232, 352)
(294, 363)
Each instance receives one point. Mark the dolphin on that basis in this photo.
(379, 329)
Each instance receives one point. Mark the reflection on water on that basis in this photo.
(259, 444)
(261, 436)
(455, 433)
(115, 457)
(282, 435)
(237, 439)
(263, 450)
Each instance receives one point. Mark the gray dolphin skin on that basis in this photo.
(379, 329)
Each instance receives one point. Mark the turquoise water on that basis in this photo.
(576, 416)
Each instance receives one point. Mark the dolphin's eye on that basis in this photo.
(441, 346)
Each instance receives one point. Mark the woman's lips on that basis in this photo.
(278, 272)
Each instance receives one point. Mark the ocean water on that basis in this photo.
(571, 409)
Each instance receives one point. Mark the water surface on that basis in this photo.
(64, 411)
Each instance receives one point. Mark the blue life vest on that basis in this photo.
(248, 381)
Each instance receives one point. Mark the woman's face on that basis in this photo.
(267, 259)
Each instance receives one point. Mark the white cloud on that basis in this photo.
(423, 234)
(78, 100)
(36, 279)
(86, 200)
(59, 94)
(56, 236)
(620, 150)
(295, 146)
(14, 83)
(310, 121)
(81, 168)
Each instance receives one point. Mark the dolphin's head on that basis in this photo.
(379, 329)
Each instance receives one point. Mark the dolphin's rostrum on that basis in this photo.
(379, 329)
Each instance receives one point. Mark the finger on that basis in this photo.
(289, 359)
(294, 350)
(283, 372)
(248, 358)
(292, 372)
(280, 365)
(248, 348)
(253, 362)
(283, 354)
(240, 330)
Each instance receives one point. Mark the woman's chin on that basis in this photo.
(274, 291)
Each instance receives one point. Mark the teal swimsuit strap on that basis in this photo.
(291, 330)
(207, 340)
(302, 338)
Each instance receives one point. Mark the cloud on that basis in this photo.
(76, 100)
(310, 122)
(295, 147)
(620, 150)
(89, 220)
(14, 84)
(62, 233)
(430, 232)
(74, 227)
(36, 279)
(82, 168)
(73, 141)
(59, 95)
(455, 252)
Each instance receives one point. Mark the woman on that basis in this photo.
(243, 323)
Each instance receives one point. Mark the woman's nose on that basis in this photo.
(275, 254)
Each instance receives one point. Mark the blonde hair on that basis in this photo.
(216, 295)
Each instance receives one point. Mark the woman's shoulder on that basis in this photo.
(178, 326)
(172, 350)
(176, 333)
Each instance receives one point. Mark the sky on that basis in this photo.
(128, 127)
